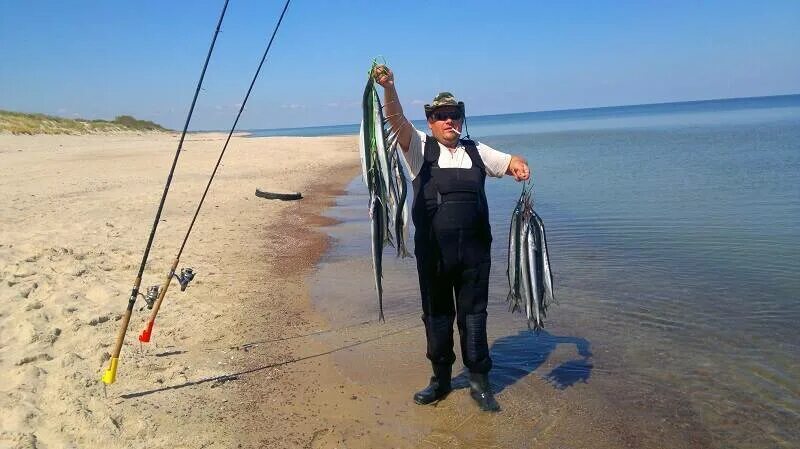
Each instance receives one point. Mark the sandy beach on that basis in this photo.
(75, 215)
(241, 358)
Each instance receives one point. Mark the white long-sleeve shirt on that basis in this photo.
(496, 162)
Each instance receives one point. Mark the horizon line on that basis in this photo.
(588, 108)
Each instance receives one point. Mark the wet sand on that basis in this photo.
(556, 388)
(241, 358)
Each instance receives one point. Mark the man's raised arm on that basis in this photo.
(392, 109)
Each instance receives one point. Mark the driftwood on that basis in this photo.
(289, 196)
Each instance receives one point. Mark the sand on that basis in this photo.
(75, 215)
(241, 358)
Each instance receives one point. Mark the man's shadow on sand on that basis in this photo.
(516, 356)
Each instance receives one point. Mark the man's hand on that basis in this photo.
(518, 168)
(383, 76)
(393, 111)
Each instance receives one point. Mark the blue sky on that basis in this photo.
(98, 59)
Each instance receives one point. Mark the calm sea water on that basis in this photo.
(674, 234)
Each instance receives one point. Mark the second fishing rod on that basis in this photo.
(110, 374)
(155, 294)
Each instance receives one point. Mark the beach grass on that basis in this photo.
(23, 123)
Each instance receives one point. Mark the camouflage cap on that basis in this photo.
(442, 100)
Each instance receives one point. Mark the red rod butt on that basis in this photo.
(144, 337)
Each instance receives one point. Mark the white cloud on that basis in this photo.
(417, 101)
(293, 106)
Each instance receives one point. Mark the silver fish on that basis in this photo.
(362, 152)
(513, 271)
(365, 138)
(529, 274)
(544, 257)
(386, 183)
(526, 288)
(377, 214)
(380, 145)
(401, 211)
(535, 276)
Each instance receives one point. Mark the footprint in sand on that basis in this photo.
(24, 271)
(34, 358)
(100, 294)
(100, 319)
(70, 359)
(36, 305)
(19, 440)
(77, 269)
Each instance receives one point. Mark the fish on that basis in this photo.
(400, 212)
(525, 274)
(530, 277)
(547, 274)
(386, 182)
(513, 271)
(535, 278)
(363, 154)
(376, 230)
(365, 141)
(380, 147)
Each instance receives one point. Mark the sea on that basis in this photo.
(674, 236)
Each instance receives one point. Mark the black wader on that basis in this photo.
(452, 247)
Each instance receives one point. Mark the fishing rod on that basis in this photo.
(155, 294)
(110, 374)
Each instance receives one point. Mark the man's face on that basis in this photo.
(444, 122)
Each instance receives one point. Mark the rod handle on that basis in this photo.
(111, 373)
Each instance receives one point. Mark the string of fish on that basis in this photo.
(529, 274)
(386, 183)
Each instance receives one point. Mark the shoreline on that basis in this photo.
(244, 357)
(537, 411)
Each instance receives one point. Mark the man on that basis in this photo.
(453, 238)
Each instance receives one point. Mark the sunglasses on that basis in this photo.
(444, 115)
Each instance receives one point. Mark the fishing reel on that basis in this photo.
(151, 296)
(186, 276)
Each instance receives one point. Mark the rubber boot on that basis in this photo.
(438, 388)
(481, 392)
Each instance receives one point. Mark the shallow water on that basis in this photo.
(674, 234)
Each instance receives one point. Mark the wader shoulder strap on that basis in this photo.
(472, 152)
(431, 151)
